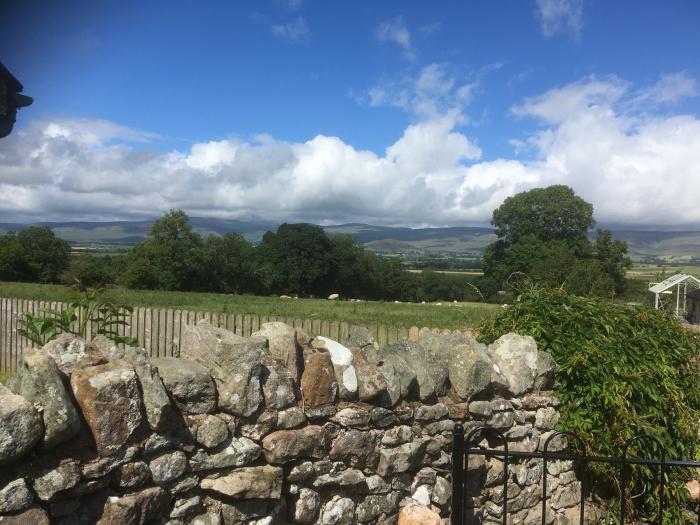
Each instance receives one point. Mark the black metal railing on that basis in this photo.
(461, 450)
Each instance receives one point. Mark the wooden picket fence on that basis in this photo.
(159, 330)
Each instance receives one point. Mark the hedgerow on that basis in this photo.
(622, 371)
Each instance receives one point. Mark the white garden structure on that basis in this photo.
(677, 285)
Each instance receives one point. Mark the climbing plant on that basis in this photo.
(622, 371)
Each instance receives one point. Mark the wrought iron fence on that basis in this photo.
(462, 449)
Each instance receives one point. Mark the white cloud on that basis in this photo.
(395, 30)
(669, 89)
(635, 167)
(297, 30)
(565, 16)
(432, 92)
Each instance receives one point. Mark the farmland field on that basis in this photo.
(434, 315)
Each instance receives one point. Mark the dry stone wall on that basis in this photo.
(279, 427)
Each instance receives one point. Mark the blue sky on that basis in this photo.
(385, 112)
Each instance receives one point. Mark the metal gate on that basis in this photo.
(462, 449)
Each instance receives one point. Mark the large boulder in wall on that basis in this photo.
(283, 345)
(39, 381)
(522, 364)
(21, 426)
(235, 363)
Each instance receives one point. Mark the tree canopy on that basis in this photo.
(34, 254)
(543, 235)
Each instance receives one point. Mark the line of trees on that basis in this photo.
(297, 259)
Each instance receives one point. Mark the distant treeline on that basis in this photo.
(297, 259)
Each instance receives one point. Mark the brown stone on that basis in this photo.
(136, 509)
(109, 398)
(318, 384)
(418, 515)
(283, 446)
(33, 516)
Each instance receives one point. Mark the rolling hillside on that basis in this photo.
(678, 246)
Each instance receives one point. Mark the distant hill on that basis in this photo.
(643, 244)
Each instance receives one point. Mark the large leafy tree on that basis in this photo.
(171, 258)
(297, 259)
(228, 260)
(43, 255)
(543, 235)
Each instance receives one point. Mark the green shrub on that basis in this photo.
(622, 371)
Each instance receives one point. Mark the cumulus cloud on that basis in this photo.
(560, 16)
(635, 167)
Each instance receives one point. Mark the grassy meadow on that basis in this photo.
(434, 315)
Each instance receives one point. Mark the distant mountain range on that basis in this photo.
(643, 244)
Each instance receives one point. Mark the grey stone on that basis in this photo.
(305, 506)
(263, 482)
(184, 484)
(15, 496)
(382, 417)
(470, 370)
(352, 417)
(69, 352)
(399, 377)
(265, 423)
(189, 383)
(375, 505)
(546, 418)
(355, 447)
(430, 412)
(235, 363)
(290, 418)
(277, 384)
(283, 345)
(110, 401)
(30, 516)
(430, 370)
(168, 467)
(160, 414)
(52, 482)
(239, 452)
(397, 436)
(301, 472)
(522, 364)
(212, 431)
(133, 475)
(39, 381)
(182, 508)
(403, 458)
(442, 491)
(350, 478)
(21, 427)
(283, 446)
(338, 511)
(371, 384)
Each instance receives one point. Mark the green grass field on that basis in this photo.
(435, 315)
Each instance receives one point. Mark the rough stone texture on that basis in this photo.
(168, 467)
(15, 496)
(212, 431)
(189, 383)
(372, 386)
(278, 386)
(39, 381)
(283, 345)
(136, 509)
(522, 364)
(248, 483)
(338, 511)
(239, 452)
(33, 516)
(356, 462)
(418, 515)
(69, 352)
(345, 370)
(160, 414)
(109, 399)
(318, 383)
(305, 506)
(21, 427)
(283, 446)
(52, 482)
(235, 363)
